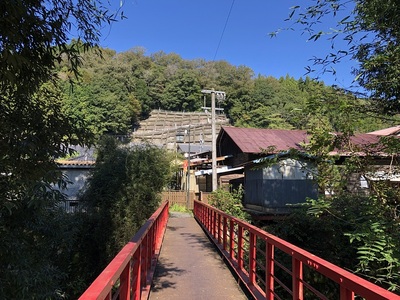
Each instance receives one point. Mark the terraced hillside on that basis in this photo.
(162, 127)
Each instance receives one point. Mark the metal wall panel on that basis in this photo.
(275, 194)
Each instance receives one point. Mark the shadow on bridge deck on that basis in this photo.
(190, 267)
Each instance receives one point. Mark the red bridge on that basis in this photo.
(171, 258)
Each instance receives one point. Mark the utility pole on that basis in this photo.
(214, 143)
(220, 96)
(188, 174)
(180, 137)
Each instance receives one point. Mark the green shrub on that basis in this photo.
(229, 202)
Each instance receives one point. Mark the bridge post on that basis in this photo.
(346, 294)
(213, 214)
(219, 229)
(142, 250)
(297, 279)
(231, 238)
(125, 283)
(252, 258)
(240, 247)
(269, 271)
(137, 287)
(224, 232)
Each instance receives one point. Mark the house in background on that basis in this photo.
(76, 170)
(271, 187)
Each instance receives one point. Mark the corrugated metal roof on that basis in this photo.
(387, 131)
(194, 148)
(83, 153)
(76, 163)
(366, 143)
(254, 140)
(365, 139)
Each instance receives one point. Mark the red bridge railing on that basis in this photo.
(272, 268)
(129, 274)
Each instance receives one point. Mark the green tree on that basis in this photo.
(121, 195)
(366, 31)
(34, 37)
(104, 97)
(34, 131)
(31, 138)
(36, 251)
(182, 93)
(278, 103)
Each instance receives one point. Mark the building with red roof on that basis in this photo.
(271, 187)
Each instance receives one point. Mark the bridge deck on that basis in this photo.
(189, 266)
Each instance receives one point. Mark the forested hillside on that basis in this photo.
(116, 90)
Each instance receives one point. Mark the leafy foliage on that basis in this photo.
(34, 131)
(121, 195)
(366, 31)
(366, 217)
(31, 138)
(229, 202)
(102, 99)
(115, 93)
(36, 248)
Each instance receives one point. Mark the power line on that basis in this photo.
(223, 31)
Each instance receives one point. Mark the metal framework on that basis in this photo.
(272, 268)
(129, 274)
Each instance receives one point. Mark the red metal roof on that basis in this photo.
(365, 139)
(254, 140)
(362, 143)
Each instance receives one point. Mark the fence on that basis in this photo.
(129, 274)
(180, 197)
(272, 268)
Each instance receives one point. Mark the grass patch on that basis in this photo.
(179, 208)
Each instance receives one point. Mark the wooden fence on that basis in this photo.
(180, 197)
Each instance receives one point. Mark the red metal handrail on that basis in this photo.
(253, 255)
(129, 274)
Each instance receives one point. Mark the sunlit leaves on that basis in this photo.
(370, 30)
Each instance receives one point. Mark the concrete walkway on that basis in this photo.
(189, 267)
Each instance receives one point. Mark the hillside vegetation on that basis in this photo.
(118, 90)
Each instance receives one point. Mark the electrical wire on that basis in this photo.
(223, 31)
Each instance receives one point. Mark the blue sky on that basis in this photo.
(193, 30)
